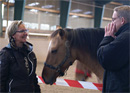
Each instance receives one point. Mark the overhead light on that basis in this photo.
(34, 10)
(33, 4)
(74, 16)
(76, 10)
(48, 6)
(11, 1)
(87, 13)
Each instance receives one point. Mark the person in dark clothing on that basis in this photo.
(18, 62)
(113, 52)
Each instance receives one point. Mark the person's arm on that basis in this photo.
(113, 53)
(37, 87)
(4, 72)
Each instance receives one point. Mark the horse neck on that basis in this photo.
(86, 40)
(91, 64)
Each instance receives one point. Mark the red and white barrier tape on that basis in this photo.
(73, 83)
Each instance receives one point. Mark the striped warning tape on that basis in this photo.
(73, 83)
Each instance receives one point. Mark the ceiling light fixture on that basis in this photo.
(76, 10)
(87, 13)
(48, 6)
(33, 4)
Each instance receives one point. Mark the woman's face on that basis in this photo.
(21, 35)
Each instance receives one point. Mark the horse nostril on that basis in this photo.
(61, 74)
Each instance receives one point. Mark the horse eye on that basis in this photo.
(53, 51)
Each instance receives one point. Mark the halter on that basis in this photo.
(67, 55)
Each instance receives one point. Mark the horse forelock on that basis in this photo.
(54, 33)
(66, 33)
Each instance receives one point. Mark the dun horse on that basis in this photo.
(68, 45)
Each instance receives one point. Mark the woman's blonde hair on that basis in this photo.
(12, 28)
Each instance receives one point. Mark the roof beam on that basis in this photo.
(64, 12)
(19, 9)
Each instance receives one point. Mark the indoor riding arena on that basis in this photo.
(41, 18)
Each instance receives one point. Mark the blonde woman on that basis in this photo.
(18, 62)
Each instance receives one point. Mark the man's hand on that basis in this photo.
(110, 29)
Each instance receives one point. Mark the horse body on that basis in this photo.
(69, 45)
(82, 73)
(92, 64)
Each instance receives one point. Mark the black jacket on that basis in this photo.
(113, 55)
(17, 70)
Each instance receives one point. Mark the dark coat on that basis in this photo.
(113, 55)
(17, 70)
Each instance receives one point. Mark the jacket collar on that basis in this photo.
(26, 44)
(123, 28)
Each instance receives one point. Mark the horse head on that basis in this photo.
(59, 57)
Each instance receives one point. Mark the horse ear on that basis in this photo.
(61, 32)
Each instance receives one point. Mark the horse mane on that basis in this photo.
(85, 39)
(88, 39)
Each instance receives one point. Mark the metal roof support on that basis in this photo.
(19, 9)
(64, 12)
(99, 11)
(1, 20)
(98, 16)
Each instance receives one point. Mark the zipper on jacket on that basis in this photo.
(10, 85)
(30, 62)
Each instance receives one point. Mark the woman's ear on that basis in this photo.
(13, 36)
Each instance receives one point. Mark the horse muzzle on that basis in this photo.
(47, 82)
(47, 77)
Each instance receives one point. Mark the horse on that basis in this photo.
(82, 73)
(67, 45)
